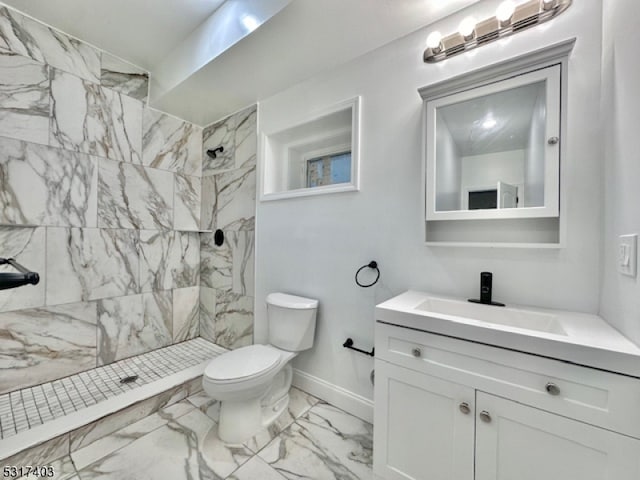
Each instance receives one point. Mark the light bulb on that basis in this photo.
(434, 41)
(505, 12)
(467, 28)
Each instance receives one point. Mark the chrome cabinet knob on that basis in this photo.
(552, 389)
(464, 408)
(485, 416)
(553, 141)
(416, 352)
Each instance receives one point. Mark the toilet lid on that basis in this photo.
(242, 363)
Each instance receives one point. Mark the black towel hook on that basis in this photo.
(372, 264)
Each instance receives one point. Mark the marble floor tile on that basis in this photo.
(299, 403)
(326, 443)
(127, 435)
(110, 424)
(43, 454)
(256, 469)
(201, 401)
(179, 442)
(182, 449)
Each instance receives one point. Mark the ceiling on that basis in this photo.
(510, 112)
(303, 39)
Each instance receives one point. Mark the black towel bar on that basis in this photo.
(15, 280)
(349, 344)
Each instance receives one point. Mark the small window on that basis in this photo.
(329, 169)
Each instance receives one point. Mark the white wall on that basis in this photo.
(448, 170)
(488, 169)
(312, 246)
(534, 159)
(620, 113)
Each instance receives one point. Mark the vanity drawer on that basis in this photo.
(600, 398)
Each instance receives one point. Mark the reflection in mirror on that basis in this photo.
(491, 150)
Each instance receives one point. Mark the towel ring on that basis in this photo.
(372, 264)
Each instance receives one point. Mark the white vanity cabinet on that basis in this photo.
(420, 433)
(516, 441)
(451, 409)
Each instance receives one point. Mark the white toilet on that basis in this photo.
(252, 383)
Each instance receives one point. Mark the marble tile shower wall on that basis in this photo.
(99, 194)
(229, 203)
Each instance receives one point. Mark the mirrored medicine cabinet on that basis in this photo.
(315, 155)
(492, 151)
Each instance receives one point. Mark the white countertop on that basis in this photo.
(587, 340)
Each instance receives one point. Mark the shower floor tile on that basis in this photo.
(30, 407)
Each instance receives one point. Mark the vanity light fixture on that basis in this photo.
(509, 19)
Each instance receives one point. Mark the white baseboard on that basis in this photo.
(350, 402)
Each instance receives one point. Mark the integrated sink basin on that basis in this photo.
(580, 338)
(508, 317)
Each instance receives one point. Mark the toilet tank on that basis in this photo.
(292, 321)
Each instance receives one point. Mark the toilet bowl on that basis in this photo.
(252, 383)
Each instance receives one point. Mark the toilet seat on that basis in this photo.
(243, 364)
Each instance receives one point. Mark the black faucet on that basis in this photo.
(486, 285)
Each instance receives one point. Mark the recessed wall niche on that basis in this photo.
(315, 155)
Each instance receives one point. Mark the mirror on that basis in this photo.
(493, 150)
(314, 156)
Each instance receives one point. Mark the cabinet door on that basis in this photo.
(421, 433)
(517, 442)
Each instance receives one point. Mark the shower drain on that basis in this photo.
(129, 379)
